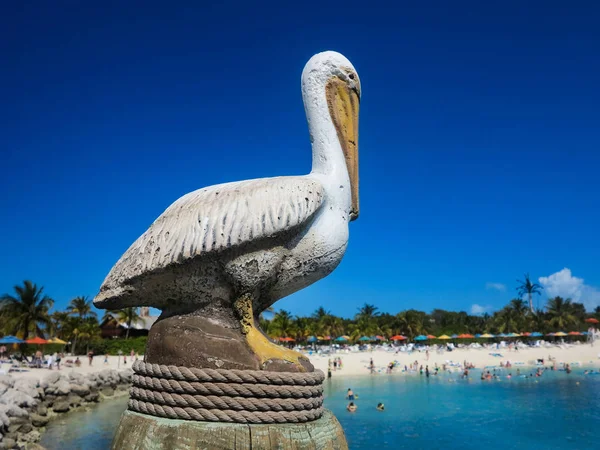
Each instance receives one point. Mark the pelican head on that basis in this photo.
(331, 91)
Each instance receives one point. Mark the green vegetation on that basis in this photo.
(28, 313)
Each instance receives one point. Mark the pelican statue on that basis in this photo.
(219, 256)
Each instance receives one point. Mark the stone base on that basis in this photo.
(143, 432)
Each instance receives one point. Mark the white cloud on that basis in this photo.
(495, 286)
(478, 310)
(563, 283)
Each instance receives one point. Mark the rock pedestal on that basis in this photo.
(143, 432)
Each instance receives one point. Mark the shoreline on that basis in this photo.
(29, 403)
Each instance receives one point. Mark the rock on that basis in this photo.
(61, 406)
(19, 424)
(14, 397)
(7, 380)
(8, 443)
(49, 400)
(38, 421)
(74, 400)
(4, 419)
(62, 387)
(122, 388)
(80, 389)
(33, 446)
(32, 436)
(14, 411)
(92, 397)
(53, 378)
(42, 410)
(27, 386)
(107, 391)
(3, 388)
(125, 376)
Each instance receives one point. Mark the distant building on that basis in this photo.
(111, 327)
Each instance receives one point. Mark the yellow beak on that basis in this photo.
(343, 104)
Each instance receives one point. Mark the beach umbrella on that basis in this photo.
(466, 336)
(341, 339)
(398, 337)
(380, 338)
(560, 334)
(454, 336)
(487, 335)
(11, 340)
(592, 320)
(536, 334)
(478, 335)
(421, 338)
(365, 338)
(513, 335)
(36, 340)
(584, 333)
(444, 336)
(527, 333)
(501, 335)
(574, 333)
(430, 336)
(325, 338)
(56, 341)
(312, 339)
(346, 337)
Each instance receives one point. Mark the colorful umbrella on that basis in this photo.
(574, 333)
(430, 336)
(487, 335)
(421, 338)
(560, 334)
(36, 340)
(398, 337)
(11, 340)
(56, 341)
(454, 336)
(365, 338)
(466, 336)
(513, 335)
(341, 339)
(592, 320)
(443, 336)
(312, 339)
(536, 334)
(527, 333)
(380, 338)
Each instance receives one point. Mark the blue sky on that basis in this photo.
(479, 138)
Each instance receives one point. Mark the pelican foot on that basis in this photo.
(271, 356)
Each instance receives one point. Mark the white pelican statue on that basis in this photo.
(219, 256)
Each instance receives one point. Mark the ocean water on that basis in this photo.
(556, 411)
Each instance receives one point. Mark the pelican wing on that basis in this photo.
(217, 218)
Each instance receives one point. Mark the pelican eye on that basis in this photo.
(351, 75)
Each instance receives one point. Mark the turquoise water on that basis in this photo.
(556, 411)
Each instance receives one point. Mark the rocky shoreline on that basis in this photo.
(27, 405)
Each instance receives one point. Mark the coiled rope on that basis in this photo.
(218, 395)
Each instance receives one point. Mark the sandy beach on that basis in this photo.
(356, 363)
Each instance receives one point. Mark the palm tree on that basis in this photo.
(368, 311)
(507, 320)
(282, 324)
(129, 316)
(528, 288)
(81, 306)
(88, 330)
(27, 312)
(60, 322)
(320, 313)
(411, 323)
(560, 313)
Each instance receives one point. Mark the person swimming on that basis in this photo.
(350, 394)
(380, 407)
(351, 407)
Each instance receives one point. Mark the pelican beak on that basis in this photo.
(343, 101)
